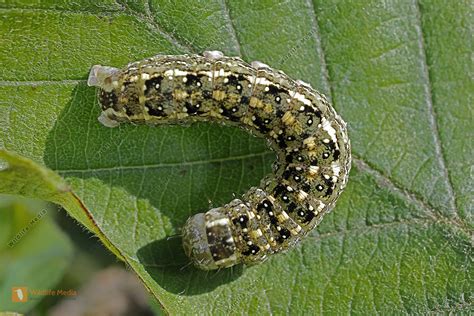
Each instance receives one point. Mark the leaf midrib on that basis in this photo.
(168, 165)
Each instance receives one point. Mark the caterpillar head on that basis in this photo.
(208, 241)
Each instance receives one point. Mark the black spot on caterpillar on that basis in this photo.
(310, 140)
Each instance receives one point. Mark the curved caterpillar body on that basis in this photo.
(309, 138)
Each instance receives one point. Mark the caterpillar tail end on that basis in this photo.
(203, 236)
(195, 243)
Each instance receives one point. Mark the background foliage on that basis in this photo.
(33, 254)
(398, 72)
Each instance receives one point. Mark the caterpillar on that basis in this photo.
(309, 138)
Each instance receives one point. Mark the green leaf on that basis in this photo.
(34, 252)
(22, 176)
(399, 74)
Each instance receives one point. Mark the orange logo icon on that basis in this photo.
(19, 294)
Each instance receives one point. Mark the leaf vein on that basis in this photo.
(320, 51)
(150, 21)
(439, 154)
(386, 182)
(230, 23)
(166, 165)
(16, 83)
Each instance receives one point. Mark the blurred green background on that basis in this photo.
(56, 253)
